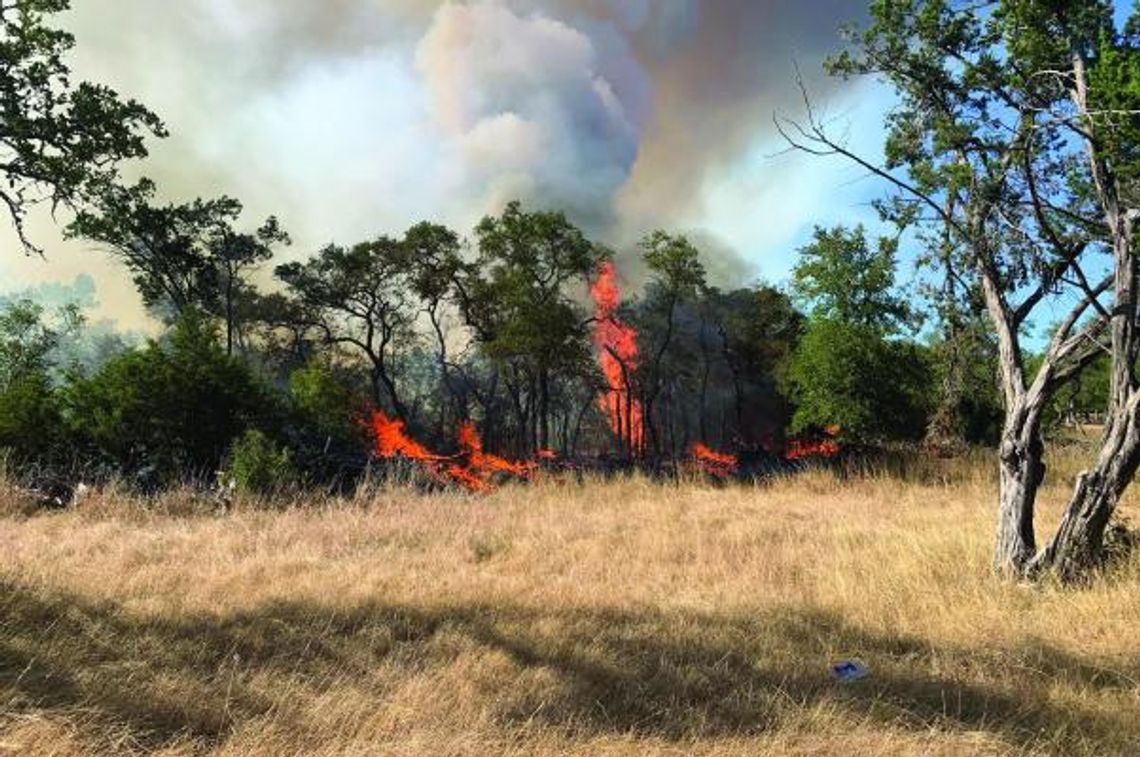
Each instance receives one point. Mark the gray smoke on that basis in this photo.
(618, 111)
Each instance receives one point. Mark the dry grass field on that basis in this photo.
(622, 617)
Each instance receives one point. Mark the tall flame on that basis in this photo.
(616, 343)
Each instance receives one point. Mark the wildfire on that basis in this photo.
(798, 449)
(472, 468)
(714, 463)
(616, 343)
(482, 462)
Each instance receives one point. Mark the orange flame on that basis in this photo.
(472, 468)
(798, 449)
(480, 462)
(714, 463)
(393, 441)
(616, 343)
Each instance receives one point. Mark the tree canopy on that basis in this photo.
(60, 143)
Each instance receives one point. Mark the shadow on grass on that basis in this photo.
(670, 675)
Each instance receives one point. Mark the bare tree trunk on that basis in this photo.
(543, 409)
(1020, 463)
(1078, 546)
(1021, 471)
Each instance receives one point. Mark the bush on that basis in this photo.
(172, 409)
(258, 465)
(850, 376)
(31, 426)
(324, 402)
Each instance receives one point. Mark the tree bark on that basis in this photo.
(1021, 471)
(1078, 546)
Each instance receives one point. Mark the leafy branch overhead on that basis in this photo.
(61, 143)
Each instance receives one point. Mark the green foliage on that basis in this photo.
(848, 375)
(59, 142)
(674, 264)
(31, 427)
(757, 331)
(969, 406)
(26, 341)
(174, 408)
(841, 278)
(183, 257)
(517, 299)
(258, 465)
(515, 295)
(325, 401)
(31, 424)
(361, 298)
(432, 251)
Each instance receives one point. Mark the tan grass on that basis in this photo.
(621, 617)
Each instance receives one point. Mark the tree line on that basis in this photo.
(1011, 162)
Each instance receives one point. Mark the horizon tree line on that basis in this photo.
(1011, 162)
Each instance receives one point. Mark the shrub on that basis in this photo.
(171, 409)
(258, 465)
(850, 376)
(324, 402)
(31, 427)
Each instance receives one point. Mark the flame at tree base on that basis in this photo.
(472, 469)
(800, 449)
(713, 463)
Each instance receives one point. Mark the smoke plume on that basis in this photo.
(349, 118)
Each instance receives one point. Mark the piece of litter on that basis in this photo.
(848, 671)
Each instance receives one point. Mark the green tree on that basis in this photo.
(27, 340)
(758, 330)
(360, 298)
(846, 372)
(435, 260)
(516, 297)
(847, 375)
(31, 427)
(676, 276)
(840, 277)
(183, 256)
(172, 407)
(60, 142)
(995, 145)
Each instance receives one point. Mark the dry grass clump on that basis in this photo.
(619, 617)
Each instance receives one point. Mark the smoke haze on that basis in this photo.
(349, 118)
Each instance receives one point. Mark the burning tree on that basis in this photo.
(616, 344)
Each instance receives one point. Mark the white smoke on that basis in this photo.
(532, 107)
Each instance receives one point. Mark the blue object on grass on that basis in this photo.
(848, 671)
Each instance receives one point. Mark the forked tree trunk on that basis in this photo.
(1021, 471)
(1078, 546)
